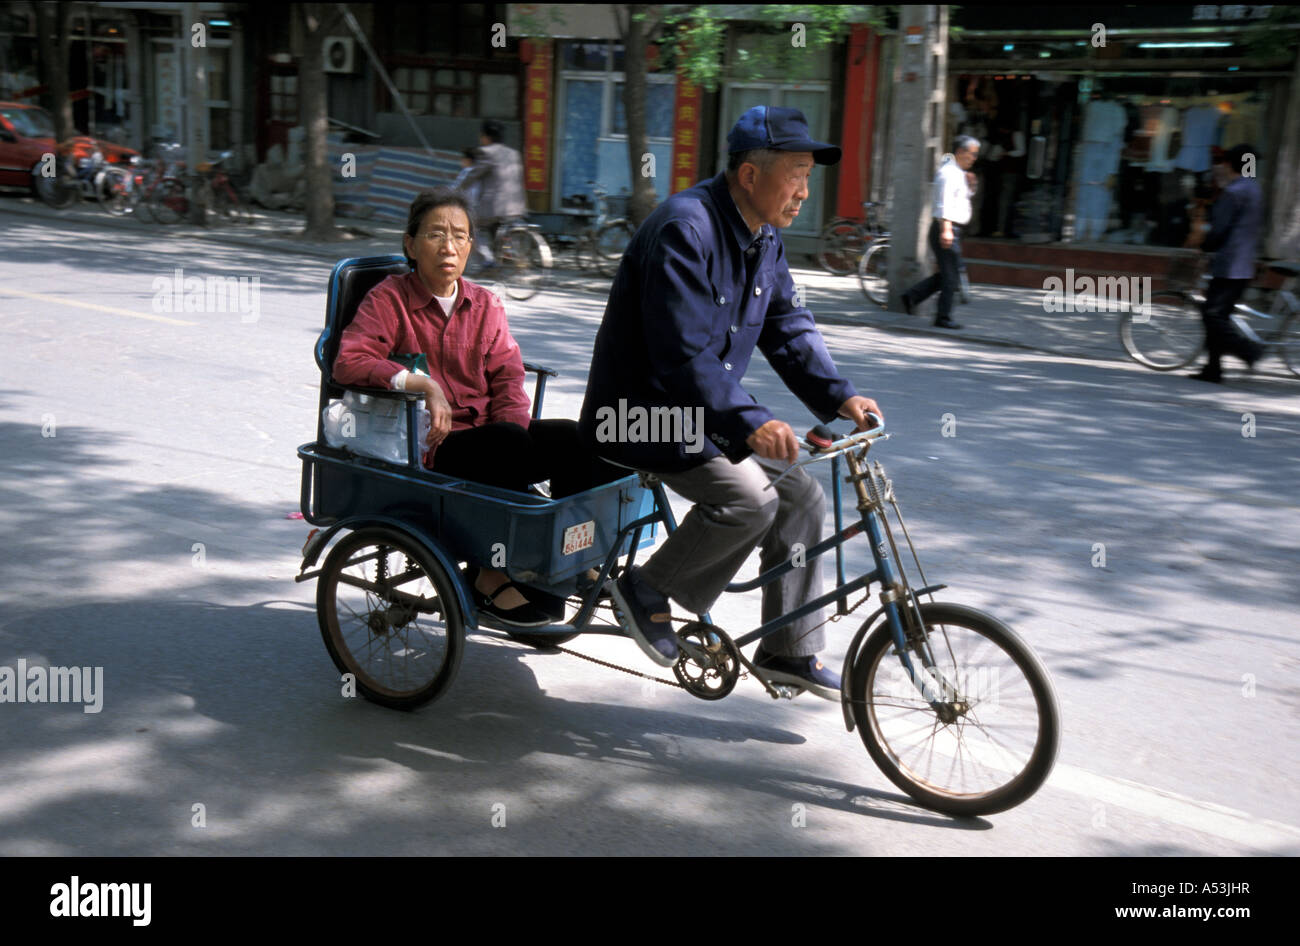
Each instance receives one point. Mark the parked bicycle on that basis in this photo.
(600, 244)
(209, 184)
(844, 241)
(1170, 333)
(89, 178)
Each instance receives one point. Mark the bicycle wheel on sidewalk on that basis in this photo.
(1167, 335)
(840, 247)
(873, 273)
(525, 261)
(168, 201)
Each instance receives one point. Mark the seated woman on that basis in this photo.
(481, 429)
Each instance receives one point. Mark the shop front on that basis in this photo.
(1109, 147)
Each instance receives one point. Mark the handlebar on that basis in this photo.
(820, 443)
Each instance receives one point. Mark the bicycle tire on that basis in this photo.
(227, 206)
(990, 650)
(873, 273)
(56, 191)
(525, 260)
(168, 202)
(840, 247)
(371, 636)
(610, 244)
(115, 191)
(1288, 343)
(1170, 335)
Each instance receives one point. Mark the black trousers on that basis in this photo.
(1222, 337)
(512, 457)
(947, 280)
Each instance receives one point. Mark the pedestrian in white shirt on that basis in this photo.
(952, 193)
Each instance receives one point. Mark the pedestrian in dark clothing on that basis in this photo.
(952, 211)
(1233, 237)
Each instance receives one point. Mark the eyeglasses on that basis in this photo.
(441, 238)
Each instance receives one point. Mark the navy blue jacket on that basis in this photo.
(1234, 232)
(694, 295)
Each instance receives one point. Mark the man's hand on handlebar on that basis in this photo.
(856, 409)
(775, 440)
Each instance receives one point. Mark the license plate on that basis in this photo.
(579, 537)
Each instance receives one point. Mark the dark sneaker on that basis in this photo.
(946, 323)
(808, 673)
(644, 614)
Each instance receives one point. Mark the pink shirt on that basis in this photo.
(471, 353)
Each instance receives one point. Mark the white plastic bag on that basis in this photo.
(374, 426)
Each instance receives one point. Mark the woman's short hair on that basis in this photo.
(431, 200)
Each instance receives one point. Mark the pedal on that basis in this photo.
(785, 691)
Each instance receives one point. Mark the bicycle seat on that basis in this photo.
(1285, 267)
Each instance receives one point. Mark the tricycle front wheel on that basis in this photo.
(389, 615)
(978, 732)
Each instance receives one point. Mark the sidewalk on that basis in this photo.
(1005, 316)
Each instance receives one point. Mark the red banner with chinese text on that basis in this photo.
(537, 114)
(686, 136)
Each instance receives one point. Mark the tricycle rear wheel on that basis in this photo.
(389, 615)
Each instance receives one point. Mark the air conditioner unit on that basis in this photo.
(340, 54)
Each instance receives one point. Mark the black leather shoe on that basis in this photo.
(1205, 374)
(946, 323)
(907, 305)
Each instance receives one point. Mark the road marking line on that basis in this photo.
(1203, 816)
(1172, 487)
(42, 297)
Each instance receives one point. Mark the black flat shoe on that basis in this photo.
(946, 323)
(527, 614)
(1214, 377)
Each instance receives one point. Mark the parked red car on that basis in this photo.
(27, 133)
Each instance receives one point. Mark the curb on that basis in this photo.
(834, 318)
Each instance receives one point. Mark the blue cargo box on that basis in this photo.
(542, 541)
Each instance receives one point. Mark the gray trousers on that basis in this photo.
(733, 514)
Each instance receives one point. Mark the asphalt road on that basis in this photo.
(149, 473)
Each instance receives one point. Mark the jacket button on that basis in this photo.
(722, 300)
(758, 291)
(735, 329)
(727, 365)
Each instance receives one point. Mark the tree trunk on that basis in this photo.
(317, 20)
(54, 39)
(636, 38)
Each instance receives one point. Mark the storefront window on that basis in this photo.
(658, 110)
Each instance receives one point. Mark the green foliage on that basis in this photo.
(695, 39)
(1273, 39)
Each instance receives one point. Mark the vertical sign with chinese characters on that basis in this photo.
(537, 105)
(686, 136)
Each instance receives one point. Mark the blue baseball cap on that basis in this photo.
(782, 129)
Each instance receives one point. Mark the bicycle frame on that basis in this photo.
(896, 591)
